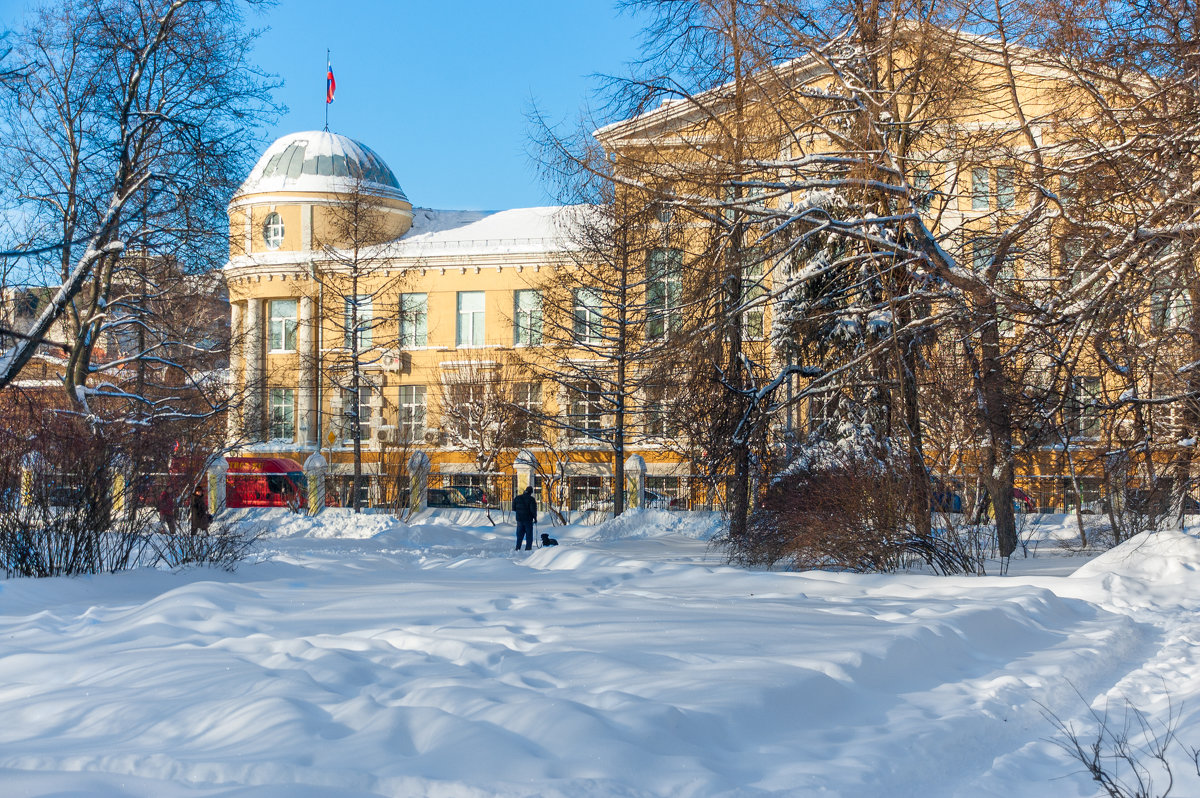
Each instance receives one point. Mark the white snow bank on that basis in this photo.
(368, 657)
(655, 523)
(332, 523)
(1166, 558)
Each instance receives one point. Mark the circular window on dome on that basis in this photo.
(273, 231)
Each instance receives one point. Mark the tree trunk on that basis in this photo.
(918, 473)
(997, 420)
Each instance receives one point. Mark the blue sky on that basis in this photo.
(440, 90)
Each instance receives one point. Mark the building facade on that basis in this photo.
(354, 312)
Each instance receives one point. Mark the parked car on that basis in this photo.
(945, 496)
(1021, 501)
(657, 501)
(1157, 502)
(472, 495)
(445, 497)
(65, 496)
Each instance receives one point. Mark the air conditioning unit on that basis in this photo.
(384, 435)
(400, 362)
(433, 436)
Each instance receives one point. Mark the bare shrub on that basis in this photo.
(58, 515)
(1128, 757)
(854, 513)
(81, 498)
(1133, 510)
(223, 545)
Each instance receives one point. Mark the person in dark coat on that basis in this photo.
(166, 510)
(525, 508)
(200, 516)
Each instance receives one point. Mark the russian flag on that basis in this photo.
(330, 83)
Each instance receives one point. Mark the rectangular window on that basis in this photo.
(1067, 188)
(527, 396)
(1072, 257)
(414, 320)
(587, 492)
(588, 324)
(281, 326)
(358, 309)
(470, 318)
(660, 421)
(583, 409)
(1168, 306)
(822, 411)
(664, 293)
(357, 409)
(753, 296)
(1083, 414)
(983, 251)
(467, 408)
(467, 391)
(922, 184)
(1006, 187)
(412, 413)
(665, 493)
(980, 198)
(527, 318)
(283, 414)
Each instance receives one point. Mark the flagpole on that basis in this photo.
(327, 91)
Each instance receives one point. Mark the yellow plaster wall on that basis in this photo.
(291, 228)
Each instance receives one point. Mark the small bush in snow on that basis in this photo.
(847, 513)
(1130, 757)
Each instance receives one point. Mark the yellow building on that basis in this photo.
(324, 242)
(440, 294)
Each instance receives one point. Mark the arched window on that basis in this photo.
(273, 231)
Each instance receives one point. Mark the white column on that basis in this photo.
(315, 470)
(33, 474)
(635, 482)
(120, 487)
(418, 475)
(253, 353)
(217, 474)
(526, 467)
(306, 373)
(237, 378)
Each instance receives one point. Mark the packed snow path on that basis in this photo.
(433, 661)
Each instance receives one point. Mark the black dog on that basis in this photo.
(548, 541)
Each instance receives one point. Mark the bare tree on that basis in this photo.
(922, 148)
(126, 133)
(483, 409)
(611, 314)
(353, 288)
(1129, 203)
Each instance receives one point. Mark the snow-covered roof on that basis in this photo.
(434, 233)
(485, 232)
(317, 160)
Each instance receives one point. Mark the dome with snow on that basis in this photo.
(320, 161)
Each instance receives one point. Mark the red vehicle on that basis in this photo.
(265, 482)
(1021, 501)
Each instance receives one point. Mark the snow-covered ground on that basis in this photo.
(361, 657)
